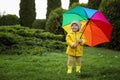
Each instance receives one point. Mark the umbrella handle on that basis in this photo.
(84, 29)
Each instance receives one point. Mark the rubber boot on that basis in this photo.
(69, 71)
(78, 69)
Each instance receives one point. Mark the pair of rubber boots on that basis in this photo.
(70, 69)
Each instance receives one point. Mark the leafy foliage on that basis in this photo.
(27, 12)
(9, 20)
(94, 3)
(73, 1)
(18, 40)
(39, 24)
(77, 4)
(104, 3)
(54, 21)
(51, 5)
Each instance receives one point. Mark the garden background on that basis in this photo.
(34, 49)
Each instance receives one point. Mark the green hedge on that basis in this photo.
(18, 40)
(39, 24)
(54, 21)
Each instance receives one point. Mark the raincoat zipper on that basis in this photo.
(76, 42)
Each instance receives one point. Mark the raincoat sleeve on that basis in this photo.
(69, 40)
(83, 40)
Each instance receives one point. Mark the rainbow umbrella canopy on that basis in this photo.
(96, 28)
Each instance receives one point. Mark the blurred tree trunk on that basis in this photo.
(51, 5)
(27, 12)
(94, 3)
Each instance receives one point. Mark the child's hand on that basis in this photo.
(79, 41)
(75, 45)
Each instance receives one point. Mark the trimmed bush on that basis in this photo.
(39, 24)
(53, 44)
(9, 39)
(77, 4)
(9, 20)
(48, 35)
(23, 40)
(54, 21)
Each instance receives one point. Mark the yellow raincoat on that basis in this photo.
(71, 39)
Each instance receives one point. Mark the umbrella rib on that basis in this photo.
(86, 14)
(91, 34)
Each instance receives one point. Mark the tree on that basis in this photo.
(27, 12)
(94, 4)
(105, 3)
(51, 5)
(72, 1)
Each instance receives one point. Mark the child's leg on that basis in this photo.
(70, 63)
(78, 64)
(70, 60)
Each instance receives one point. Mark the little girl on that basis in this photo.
(75, 46)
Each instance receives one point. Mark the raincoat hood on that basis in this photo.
(77, 22)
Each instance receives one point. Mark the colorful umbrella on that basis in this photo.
(96, 28)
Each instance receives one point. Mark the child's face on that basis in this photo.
(74, 27)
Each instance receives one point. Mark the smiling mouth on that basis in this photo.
(73, 28)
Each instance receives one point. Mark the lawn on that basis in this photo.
(97, 64)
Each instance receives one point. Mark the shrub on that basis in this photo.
(73, 1)
(104, 3)
(39, 24)
(23, 40)
(94, 3)
(9, 39)
(9, 20)
(54, 45)
(77, 4)
(54, 21)
(48, 35)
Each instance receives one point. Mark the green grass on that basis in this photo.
(97, 64)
